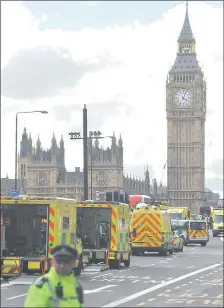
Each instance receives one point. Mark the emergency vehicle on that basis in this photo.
(151, 230)
(197, 232)
(32, 227)
(104, 230)
(217, 221)
(179, 213)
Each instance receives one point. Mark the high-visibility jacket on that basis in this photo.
(43, 292)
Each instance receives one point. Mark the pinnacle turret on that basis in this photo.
(62, 142)
(186, 35)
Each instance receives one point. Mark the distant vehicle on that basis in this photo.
(206, 210)
(218, 221)
(136, 199)
(197, 232)
(179, 212)
(151, 231)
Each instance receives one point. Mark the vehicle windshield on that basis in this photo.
(198, 225)
(179, 224)
(218, 218)
(175, 216)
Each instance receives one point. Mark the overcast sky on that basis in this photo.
(114, 57)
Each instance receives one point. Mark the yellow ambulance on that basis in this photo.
(104, 230)
(32, 227)
(151, 230)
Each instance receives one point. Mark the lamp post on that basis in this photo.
(93, 135)
(16, 141)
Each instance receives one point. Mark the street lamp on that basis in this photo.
(93, 135)
(16, 142)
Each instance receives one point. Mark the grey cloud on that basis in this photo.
(217, 167)
(43, 72)
(215, 184)
(98, 114)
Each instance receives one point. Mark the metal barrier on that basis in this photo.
(10, 267)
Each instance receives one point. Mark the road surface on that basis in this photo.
(192, 278)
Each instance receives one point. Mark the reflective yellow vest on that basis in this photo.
(42, 293)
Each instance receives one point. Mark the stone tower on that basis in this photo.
(106, 165)
(186, 112)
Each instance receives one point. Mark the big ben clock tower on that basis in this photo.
(186, 112)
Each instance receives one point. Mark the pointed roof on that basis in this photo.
(186, 34)
(61, 142)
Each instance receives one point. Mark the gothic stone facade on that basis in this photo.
(186, 111)
(43, 173)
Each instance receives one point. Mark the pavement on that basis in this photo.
(192, 278)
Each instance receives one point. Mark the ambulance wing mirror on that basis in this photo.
(134, 232)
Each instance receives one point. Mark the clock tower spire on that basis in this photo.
(186, 111)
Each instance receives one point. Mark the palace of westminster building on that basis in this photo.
(43, 172)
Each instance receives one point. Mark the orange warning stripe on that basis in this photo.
(153, 234)
(151, 223)
(51, 228)
(113, 236)
(139, 234)
(198, 233)
(137, 220)
(152, 243)
(155, 220)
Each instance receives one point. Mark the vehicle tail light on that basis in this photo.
(162, 236)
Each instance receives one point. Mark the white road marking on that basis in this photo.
(190, 301)
(20, 295)
(159, 286)
(99, 289)
(85, 291)
(151, 299)
(221, 238)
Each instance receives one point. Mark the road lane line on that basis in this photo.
(99, 289)
(151, 299)
(157, 287)
(20, 295)
(85, 292)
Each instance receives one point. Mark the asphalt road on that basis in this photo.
(192, 278)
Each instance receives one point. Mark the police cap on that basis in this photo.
(64, 253)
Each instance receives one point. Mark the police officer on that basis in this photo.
(59, 287)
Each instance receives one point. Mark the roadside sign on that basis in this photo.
(97, 195)
(13, 193)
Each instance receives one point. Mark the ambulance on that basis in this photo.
(151, 230)
(32, 227)
(179, 213)
(218, 221)
(197, 232)
(104, 230)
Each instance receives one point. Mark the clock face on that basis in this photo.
(183, 98)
